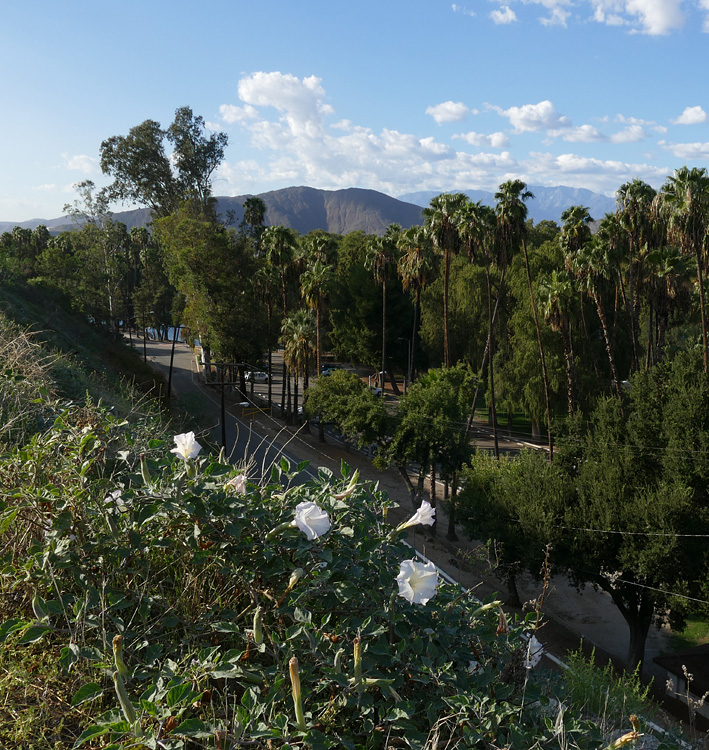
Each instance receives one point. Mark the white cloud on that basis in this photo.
(581, 134)
(686, 151)
(231, 113)
(558, 17)
(631, 134)
(691, 116)
(533, 117)
(81, 163)
(504, 15)
(448, 112)
(462, 9)
(654, 17)
(494, 140)
(301, 145)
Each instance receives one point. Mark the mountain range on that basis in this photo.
(352, 209)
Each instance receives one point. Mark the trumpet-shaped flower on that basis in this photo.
(534, 653)
(417, 581)
(238, 483)
(425, 516)
(186, 447)
(311, 520)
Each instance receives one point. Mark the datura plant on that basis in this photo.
(223, 610)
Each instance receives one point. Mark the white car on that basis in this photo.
(256, 377)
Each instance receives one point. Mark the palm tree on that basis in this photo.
(440, 219)
(381, 259)
(556, 301)
(297, 335)
(476, 227)
(512, 232)
(590, 267)
(279, 243)
(416, 268)
(254, 217)
(634, 201)
(685, 200)
(315, 283)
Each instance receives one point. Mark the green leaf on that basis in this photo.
(69, 656)
(8, 520)
(9, 627)
(180, 694)
(33, 633)
(88, 692)
(92, 733)
(194, 728)
(39, 607)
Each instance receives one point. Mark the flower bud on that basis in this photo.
(297, 696)
(118, 656)
(144, 470)
(258, 627)
(123, 699)
(357, 643)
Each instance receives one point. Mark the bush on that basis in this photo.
(188, 601)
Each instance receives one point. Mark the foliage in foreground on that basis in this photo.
(193, 608)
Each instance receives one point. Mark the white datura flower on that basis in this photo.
(424, 516)
(534, 653)
(311, 520)
(417, 581)
(238, 483)
(186, 447)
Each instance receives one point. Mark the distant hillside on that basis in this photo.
(548, 202)
(344, 211)
(302, 208)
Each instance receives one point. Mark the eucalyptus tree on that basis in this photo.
(634, 204)
(684, 198)
(511, 214)
(556, 303)
(417, 268)
(144, 173)
(440, 219)
(381, 260)
(280, 243)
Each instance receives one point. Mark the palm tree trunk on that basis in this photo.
(545, 377)
(384, 335)
(491, 355)
(446, 279)
(606, 339)
(702, 305)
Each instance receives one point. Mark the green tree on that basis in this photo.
(144, 173)
(297, 337)
(511, 215)
(440, 220)
(556, 303)
(417, 267)
(685, 199)
(382, 255)
(316, 282)
(634, 213)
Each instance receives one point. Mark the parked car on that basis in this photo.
(254, 376)
(329, 369)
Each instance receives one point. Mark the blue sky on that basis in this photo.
(393, 95)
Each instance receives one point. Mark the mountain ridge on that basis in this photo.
(352, 209)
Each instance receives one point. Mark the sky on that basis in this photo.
(392, 95)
